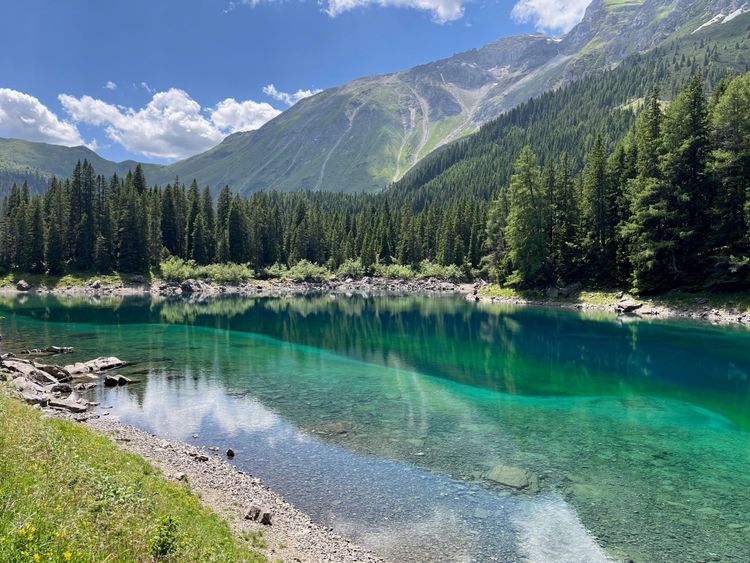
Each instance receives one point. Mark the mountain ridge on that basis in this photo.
(367, 133)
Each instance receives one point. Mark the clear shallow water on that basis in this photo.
(382, 416)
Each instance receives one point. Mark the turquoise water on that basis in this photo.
(382, 417)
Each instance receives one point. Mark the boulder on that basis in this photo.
(55, 371)
(96, 284)
(63, 388)
(259, 514)
(96, 365)
(28, 370)
(115, 380)
(514, 477)
(230, 453)
(23, 285)
(35, 399)
(189, 286)
(627, 305)
(67, 405)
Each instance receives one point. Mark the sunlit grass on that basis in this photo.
(68, 494)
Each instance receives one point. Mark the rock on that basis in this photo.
(49, 350)
(96, 284)
(28, 370)
(64, 404)
(513, 477)
(627, 305)
(23, 285)
(64, 388)
(259, 514)
(230, 453)
(335, 428)
(201, 457)
(55, 371)
(34, 399)
(189, 286)
(96, 365)
(115, 380)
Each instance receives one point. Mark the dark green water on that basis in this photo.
(382, 416)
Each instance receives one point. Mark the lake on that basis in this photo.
(384, 417)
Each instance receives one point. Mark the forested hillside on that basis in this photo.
(666, 206)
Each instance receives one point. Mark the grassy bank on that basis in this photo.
(68, 494)
(675, 300)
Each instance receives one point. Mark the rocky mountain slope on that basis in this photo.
(369, 132)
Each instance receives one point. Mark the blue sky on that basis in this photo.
(159, 80)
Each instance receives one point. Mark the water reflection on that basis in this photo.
(383, 415)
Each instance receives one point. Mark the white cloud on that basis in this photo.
(25, 117)
(442, 10)
(231, 115)
(288, 99)
(110, 85)
(147, 88)
(172, 125)
(550, 15)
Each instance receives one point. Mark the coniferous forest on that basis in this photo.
(666, 205)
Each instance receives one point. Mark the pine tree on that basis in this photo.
(524, 232)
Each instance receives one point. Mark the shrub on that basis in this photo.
(176, 270)
(164, 540)
(428, 269)
(351, 269)
(276, 271)
(394, 271)
(304, 270)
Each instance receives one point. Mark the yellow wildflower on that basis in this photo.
(67, 555)
(22, 532)
(37, 557)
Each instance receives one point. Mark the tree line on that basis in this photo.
(668, 207)
(664, 206)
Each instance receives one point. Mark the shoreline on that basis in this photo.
(237, 497)
(713, 308)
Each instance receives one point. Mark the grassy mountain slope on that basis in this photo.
(370, 132)
(569, 118)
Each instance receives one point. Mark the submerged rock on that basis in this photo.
(513, 477)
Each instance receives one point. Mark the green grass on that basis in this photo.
(68, 494)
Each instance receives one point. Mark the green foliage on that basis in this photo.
(175, 269)
(163, 542)
(428, 269)
(304, 270)
(394, 271)
(351, 269)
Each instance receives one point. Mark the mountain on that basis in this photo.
(369, 132)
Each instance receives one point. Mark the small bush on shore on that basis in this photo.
(304, 270)
(394, 271)
(351, 269)
(175, 269)
(428, 269)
